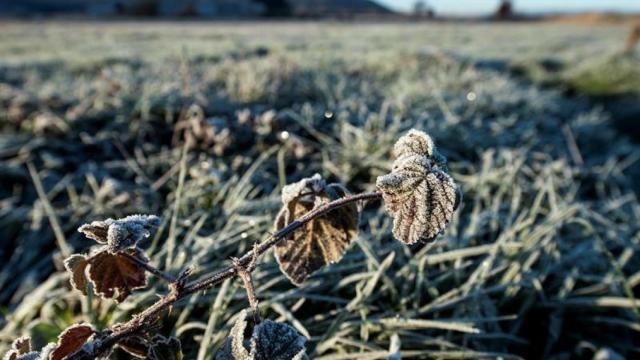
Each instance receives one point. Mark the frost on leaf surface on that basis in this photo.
(163, 348)
(71, 340)
(270, 341)
(122, 233)
(278, 341)
(136, 346)
(116, 275)
(20, 349)
(77, 264)
(418, 193)
(111, 275)
(18, 353)
(415, 142)
(319, 242)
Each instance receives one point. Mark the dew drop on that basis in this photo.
(471, 96)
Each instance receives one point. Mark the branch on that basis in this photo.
(180, 290)
(245, 276)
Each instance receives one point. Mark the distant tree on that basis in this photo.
(276, 8)
(505, 10)
(419, 7)
(422, 10)
(141, 8)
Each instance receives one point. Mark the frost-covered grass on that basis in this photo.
(541, 260)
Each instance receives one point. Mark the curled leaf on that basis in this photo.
(162, 348)
(111, 274)
(319, 242)
(277, 341)
(418, 193)
(122, 233)
(415, 142)
(34, 355)
(76, 264)
(116, 275)
(136, 346)
(233, 348)
(20, 346)
(269, 341)
(71, 340)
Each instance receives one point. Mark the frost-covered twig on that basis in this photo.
(180, 290)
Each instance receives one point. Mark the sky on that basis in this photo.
(475, 7)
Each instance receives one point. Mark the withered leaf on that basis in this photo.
(96, 230)
(418, 193)
(136, 346)
(277, 341)
(122, 233)
(233, 348)
(116, 275)
(21, 354)
(162, 348)
(20, 346)
(71, 340)
(269, 341)
(319, 242)
(415, 142)
(76, 264)
(13, 355)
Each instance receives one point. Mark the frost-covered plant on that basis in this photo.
(418, 193)
(316, 225)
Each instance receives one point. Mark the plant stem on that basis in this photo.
(150, 268)
(247, 282)
(179, 290)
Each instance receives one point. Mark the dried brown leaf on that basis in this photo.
(270, 341)
(136, 346)
(116, 275)
(277, 341)
(162, 348)
(71, 340)
(76, 264)
(122, 233)
(415, 142)
(418, 193)
(20, 346)
(97, 230)
(319, 242)
(233, 348)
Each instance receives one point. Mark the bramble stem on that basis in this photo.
(179, 290)
(247, 282)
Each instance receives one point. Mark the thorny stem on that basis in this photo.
(245, 275)
(180, 290)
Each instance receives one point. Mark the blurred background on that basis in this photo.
(200, 111)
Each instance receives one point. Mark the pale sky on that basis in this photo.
(476, 7)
